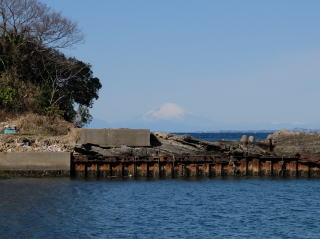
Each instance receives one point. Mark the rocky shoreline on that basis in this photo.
(283, 153)
(280, 144)
(173, 156)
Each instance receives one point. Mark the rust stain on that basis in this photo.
(266, 168)
(192, 166)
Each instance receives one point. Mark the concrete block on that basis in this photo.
(115, 137)
(35, 161)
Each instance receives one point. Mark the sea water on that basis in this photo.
(172, 208)
(175, 208)
(235, 136)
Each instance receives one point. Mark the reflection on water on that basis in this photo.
(221, 208)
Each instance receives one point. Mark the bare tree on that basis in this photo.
(37, 22)
(57, 71)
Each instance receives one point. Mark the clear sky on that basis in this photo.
(188, 65)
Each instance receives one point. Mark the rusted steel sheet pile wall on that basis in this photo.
(191, 166)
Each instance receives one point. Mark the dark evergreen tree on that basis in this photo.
(34, 75)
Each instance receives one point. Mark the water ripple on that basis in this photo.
(217, 208)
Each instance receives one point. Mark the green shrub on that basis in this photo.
(8, 96)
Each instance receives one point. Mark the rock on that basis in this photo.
(282, 133)
(287, 143)
(26, 142)
(244, 139)
(251, 139)
(179, 145)
(162, 135)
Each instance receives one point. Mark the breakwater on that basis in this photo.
(124, 153)
(191, 166)
(169, 166)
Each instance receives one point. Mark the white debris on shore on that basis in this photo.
(17, 143)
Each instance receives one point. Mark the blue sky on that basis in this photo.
(188, 65)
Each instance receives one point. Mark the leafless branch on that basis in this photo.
(38, 22)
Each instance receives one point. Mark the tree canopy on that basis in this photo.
(35, 76)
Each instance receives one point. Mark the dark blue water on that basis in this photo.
(213, 208)
(227, 135)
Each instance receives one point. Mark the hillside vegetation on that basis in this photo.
(36, 78)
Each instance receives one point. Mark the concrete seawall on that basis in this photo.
(66, 164)
(115, 137)
(35, 163)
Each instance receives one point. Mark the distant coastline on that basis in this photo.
(303, 130)
(227, 135)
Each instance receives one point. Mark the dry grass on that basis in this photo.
(73, 136)
(33, 124)
(5, 116)
(44, 133)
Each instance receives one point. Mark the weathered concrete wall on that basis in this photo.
(115, 137)
(35, 161)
